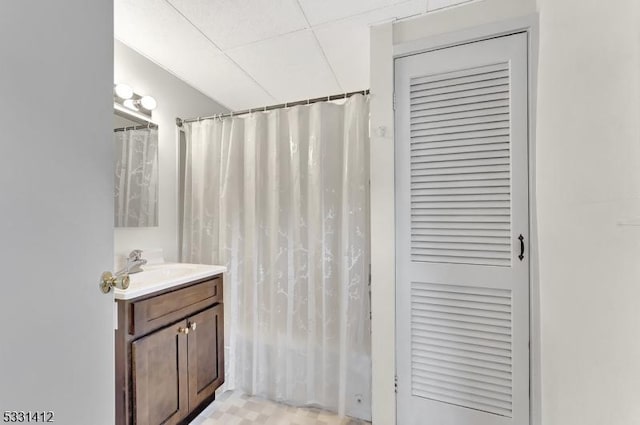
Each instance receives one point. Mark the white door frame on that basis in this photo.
(529, 25)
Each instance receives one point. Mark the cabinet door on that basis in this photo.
(159, 368)
(206, 354)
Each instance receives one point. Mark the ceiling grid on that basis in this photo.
(250, 53)
(217, 47)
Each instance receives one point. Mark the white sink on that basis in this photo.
(163, 276)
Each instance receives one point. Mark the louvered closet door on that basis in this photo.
(462, 203)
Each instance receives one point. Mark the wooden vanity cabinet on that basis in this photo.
(159, 373)
(205, 355)
(169, 354)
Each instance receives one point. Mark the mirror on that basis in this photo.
(136, 171)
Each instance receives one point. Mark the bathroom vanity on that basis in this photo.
(169, 344)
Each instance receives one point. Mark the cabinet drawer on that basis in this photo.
(153, 313)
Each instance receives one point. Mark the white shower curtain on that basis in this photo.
(136, 178)
(281, 199)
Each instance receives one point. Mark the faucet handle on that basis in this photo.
(135, 255)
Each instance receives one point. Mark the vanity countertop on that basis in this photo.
(158, 277)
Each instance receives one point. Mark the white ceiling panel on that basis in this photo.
(346, 42)
(321, 11)
(219, 78)
(251, 53)
(290, 67)
(440, 4)
(154, 29)
(233, 23)
(347, 48)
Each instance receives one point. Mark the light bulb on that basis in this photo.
(124, 91)
(148, 103)
(131, 104)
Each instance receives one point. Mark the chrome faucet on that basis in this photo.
(134, 263)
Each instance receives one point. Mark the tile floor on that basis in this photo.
(236, 408)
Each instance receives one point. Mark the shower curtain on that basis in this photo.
(136, 178)
(281, 199)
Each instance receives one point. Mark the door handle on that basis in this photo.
(521, 239)
(108, 281)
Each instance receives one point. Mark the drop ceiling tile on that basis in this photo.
(440, 4)
(322, 11)
(222, 80)
(291, 67)
(233, 23)
(346, 42)
(155, 30)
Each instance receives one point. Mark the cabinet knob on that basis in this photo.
(183, 331)
(193, 326)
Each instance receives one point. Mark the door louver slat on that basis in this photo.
(461, 346)
(462, 153)
(460, 145)
(459, 129)
(495, 392)
(472, 113)
(486, 343)
(463, 370)
(464, 76)
(457, 374)
(447, 171)
(440, 225)
(466, 108)
(463, 136)
(426, 156)
(437, 106)
(463, 87)
(420, 97)
(421, 124)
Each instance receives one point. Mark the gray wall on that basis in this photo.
(56, 212)
(175, 99)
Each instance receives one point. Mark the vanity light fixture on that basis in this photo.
(125, 96)
(131, 104)
(148, 103)
(123, 91)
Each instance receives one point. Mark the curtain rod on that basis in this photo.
(136, 127)
(180, 121)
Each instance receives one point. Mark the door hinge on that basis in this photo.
(394, 101)
(370, 309)
(396, 384)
